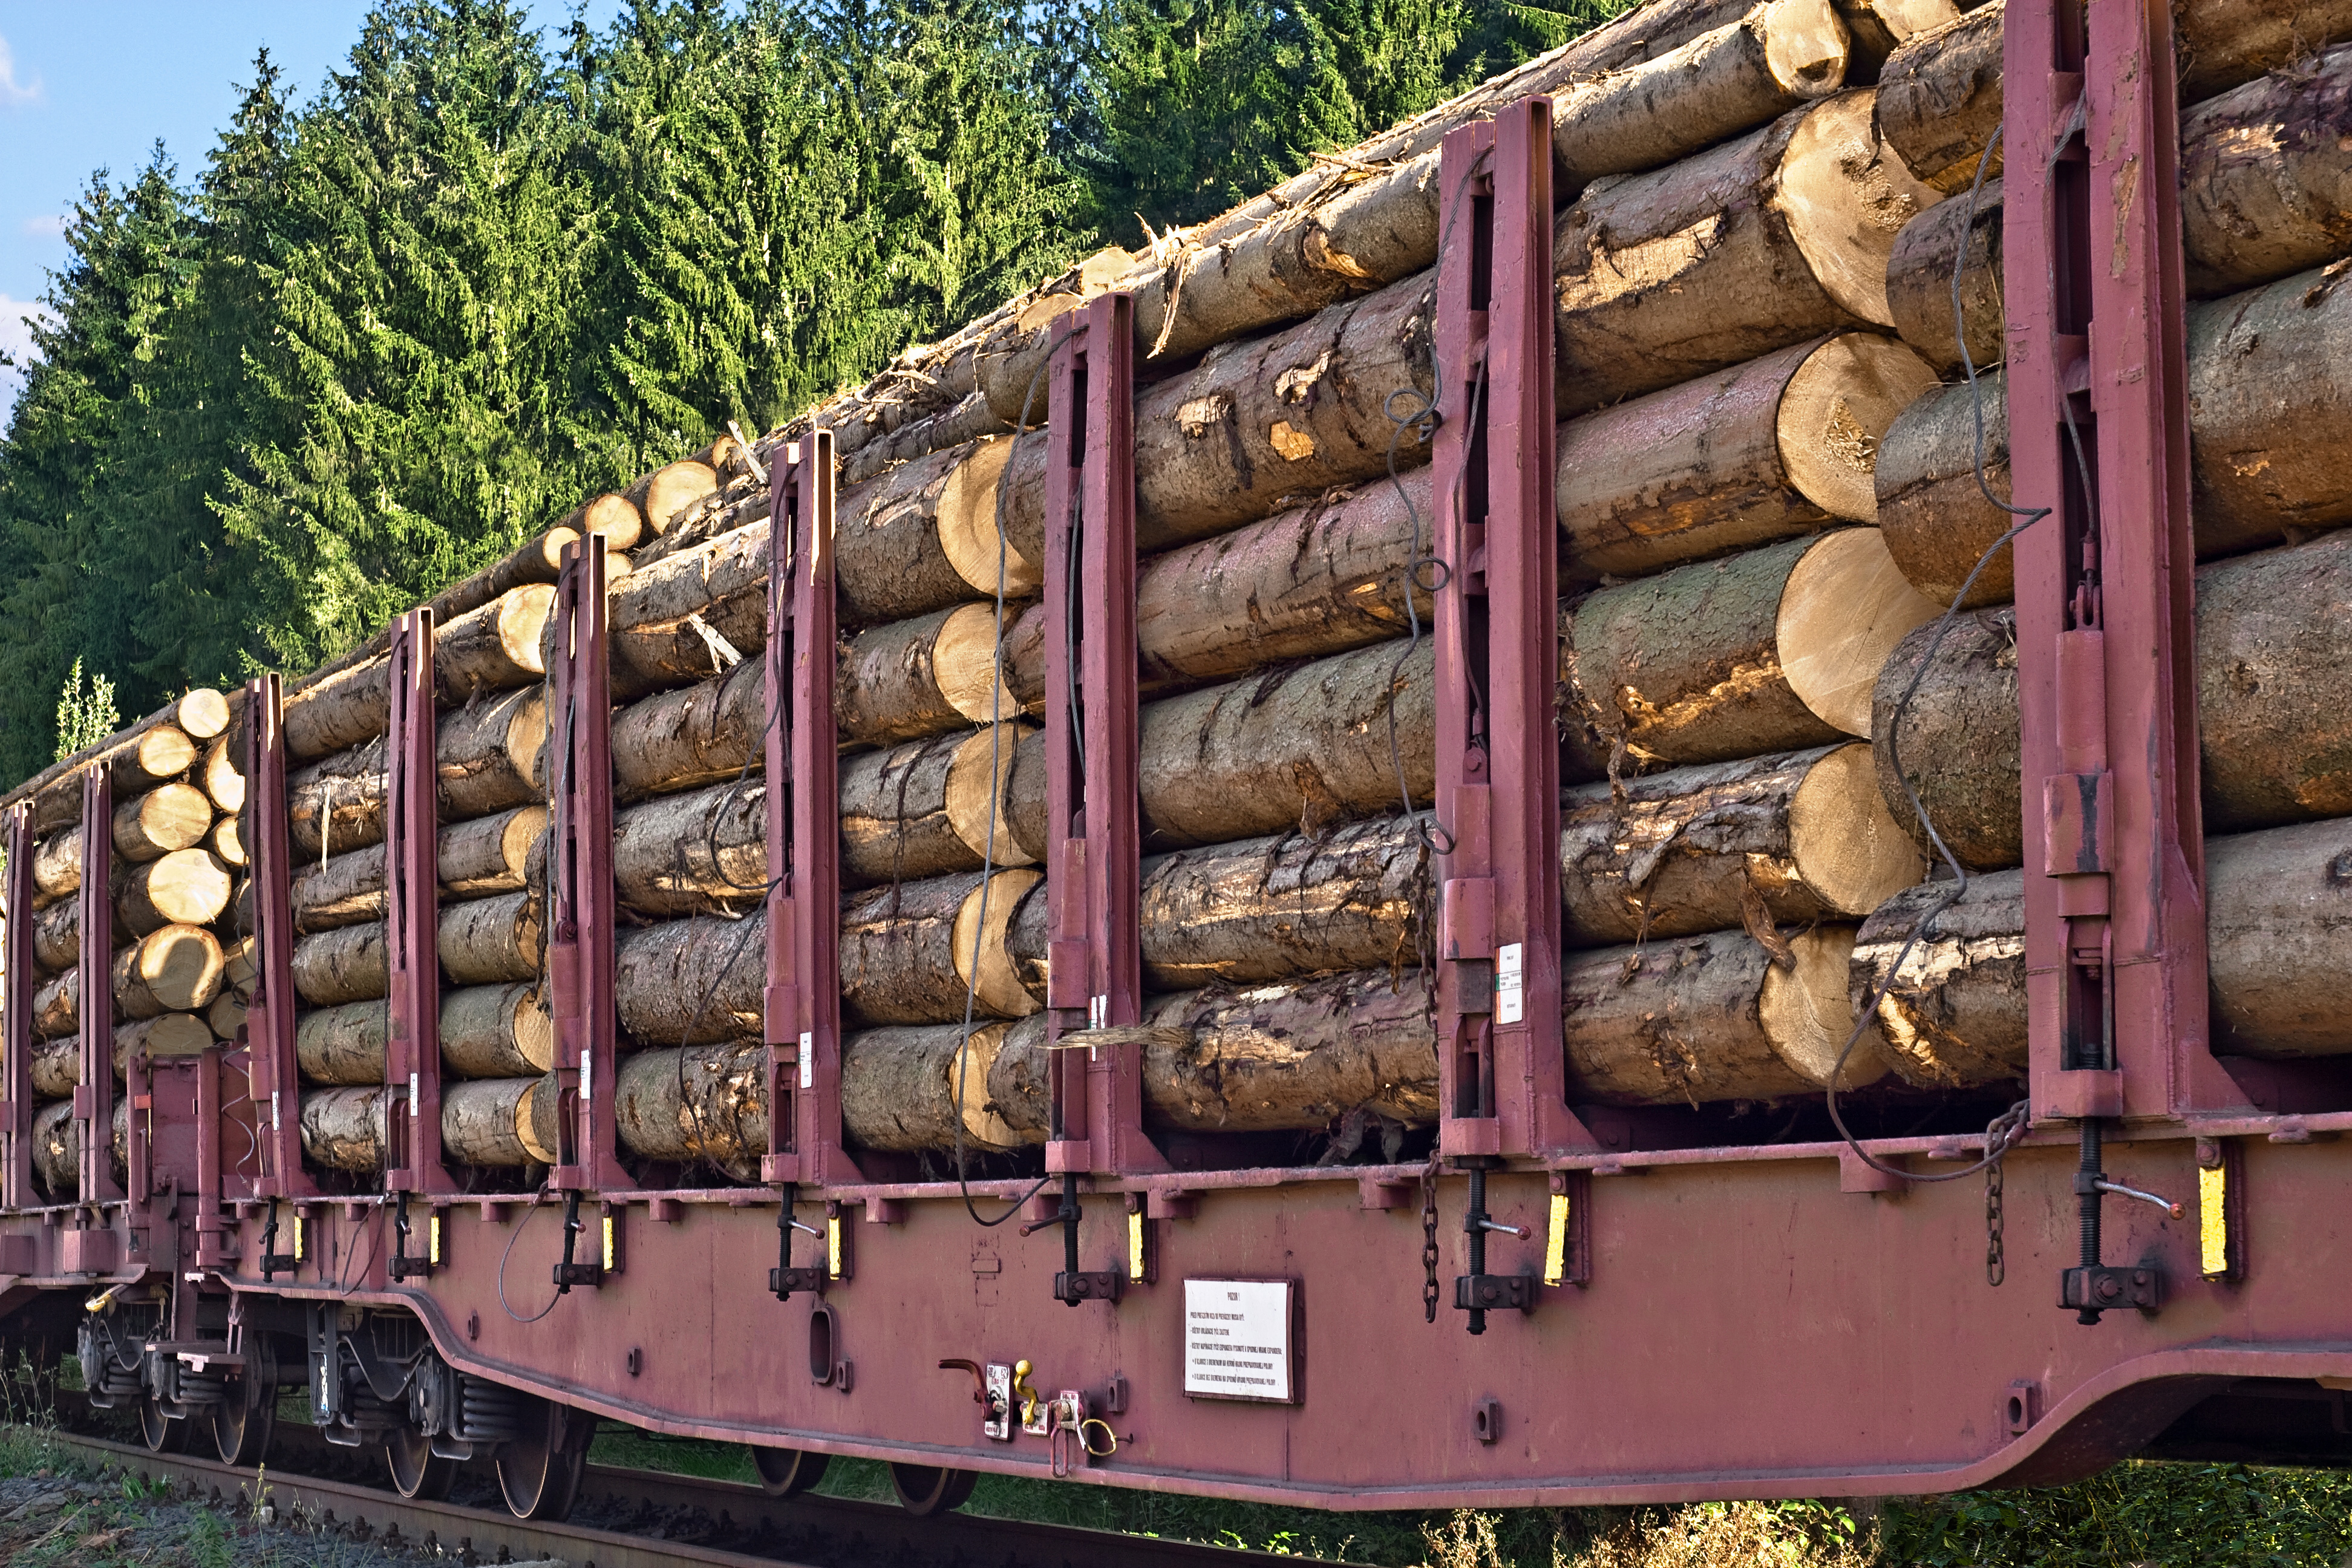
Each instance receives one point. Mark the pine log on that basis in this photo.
(690, 615)
(900, 1090)
(661, 494)
(187, 886)
(1748, 248)
(170, 817)
(487, 855)
(1941, 94)
(1703, 1019)
(700, 1102)
(222, 775)
(57, 1065)
(57, 867)
(970, 420)
(1959, 741)
(227, 840)
(915, 953)
(2277, 917)
(133, 761)
(1765, 451)
(736, 507)
(1919, 283)
(1795, 839)
(694, 982)
(57, 1147)
(1768, 651)
(56, 1005)
(614, 516)
(691, 736)
(487, 756)
(487, 1032)
(482, 941)
(1296, 749)
(918, 678)
(703, 852)
(924, 537)
(1315, 580)
(1262, 1058)
(57, 936)
(342, 1044)
(490, 648)
(226, 1016)
(2266, 177)
(178, 969)
(930, 807)
(2270, 425)
(489, 1121)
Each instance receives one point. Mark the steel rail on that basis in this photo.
(806, 1531)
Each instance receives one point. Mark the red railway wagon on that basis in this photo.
(1566, 1304)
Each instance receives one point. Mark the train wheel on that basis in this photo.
(417, 1472)
(162, 1433)
(244, 1423)
(540, 1470)
(926, 1489)
(788, 1472)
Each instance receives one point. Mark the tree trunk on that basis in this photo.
(170, 817)
(614, 516)
(928, 808)
(1768, 651)
(705, 852)
(489, 757)
(2264, 172)
(2271, 656)
(344, 891)
(2270, 412)
(344, 1043)
(227, 840)
(696, 735)
(661, 494)
(898, 1089)
(1705, 1019)
(187, 886)
(1748, 248)
(924, 537)
(1763, 452)
(56, 1005)
(1786, 840)
(970, 420)
(736, 507)
(1919, 283)
(56, 1067)
(704, 1102)
(1266, 1058)
(919, 678)
(914, 953)
(1296, 749)
(491, 648)
(344, 1129)
(483, 941)
(1954, 1016)
(1264, 909)
(178, 969)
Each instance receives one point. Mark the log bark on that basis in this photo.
(493, 648)
(1931, 512)
(1707, 1018)
(187, 886)
(2270, 411)
(1766, 451)
(692, 736)
(134, 762)
(1958, 740)
(2277, 915)
(2266, 177)
(924, 537)
(169, 818)
(1262, 1058)
(661, 494)
(1764, 242)
(929, 809)
(1919, 283)
(1795, 839)
(970, 420)
(692, 616)
(704, 852)
(57, 1147)
(56, 1005)
(57, 867)
(57, 1065)
(1265, 909)
(1315, 580)
(1768, 651)
(923, 677)
(487, 1032)
(691, 981)
(223, 782)
(914, 953)
(695, 1103)
(342, 1045)
(226, 1015)
(900, 1090)
(1295, 749)
(57, 936)
(492, 1123)
(487, 758)
(736, 507)
(488, 855)
(482, 941)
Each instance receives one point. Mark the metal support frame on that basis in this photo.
(1502, 1064)
(802, 1011)
(93, 1097)
(579, 954)
(270, 1067)
(1094, 807)
(16, 1021)
(411, 909)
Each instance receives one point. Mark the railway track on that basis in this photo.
(642, 1518)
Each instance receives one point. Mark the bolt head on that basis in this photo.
(2108, 1289)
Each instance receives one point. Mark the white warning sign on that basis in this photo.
(1237, 1339)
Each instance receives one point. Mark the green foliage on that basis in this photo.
(84, 718)
(2158, 1515)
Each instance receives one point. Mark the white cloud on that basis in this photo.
(16, 340)
(48, 226)
(11, 92)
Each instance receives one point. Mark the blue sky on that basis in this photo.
(92, 83)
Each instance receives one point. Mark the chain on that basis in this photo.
(1429, 1237)
(1996, 1266)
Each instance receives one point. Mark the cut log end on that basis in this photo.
(1845, 198)
(1846, 607)
(1835, 412)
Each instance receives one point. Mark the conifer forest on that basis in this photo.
(296, 382)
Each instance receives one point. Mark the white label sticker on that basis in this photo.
(587, 1076)
(1237, 1339)
(808, 1061)
(1510, 1001)
(414, 1093)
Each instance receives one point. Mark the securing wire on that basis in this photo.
(996, 777)
(2006, 1129)
(529, 1209)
